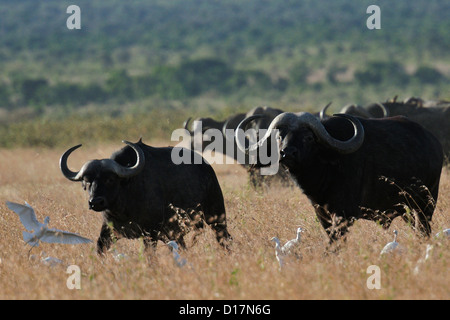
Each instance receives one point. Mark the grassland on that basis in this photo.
(248, 271)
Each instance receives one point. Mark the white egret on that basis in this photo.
(41, 231)
(391, 246)
(291, 244)
(444, 233)
(48, 261)
(278, 252)
(51, 261)
(176, 256)
(117, 255)
(422, 260)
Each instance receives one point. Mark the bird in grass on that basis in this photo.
(278, 252)
(291, 244)
(423, 260)
(51, 261)
(48, 261)
(444, 233)
(391, 246)
(117, 255)
(41, 231)
(180, 262)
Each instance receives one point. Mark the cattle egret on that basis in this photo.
(422, 260)
(291, 244)
(51, 261)
(48, 261)
(176, 256)
(391, 246)
(278, 252)
(118, 256)
(40, 231)
(444, 233)
(427, 254)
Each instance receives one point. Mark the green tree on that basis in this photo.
(379, 72)
(201, 75)
(299, 73)
(32, 91)
(119, 84)
(428, 75)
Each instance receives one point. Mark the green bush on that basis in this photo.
(428, 75)
(379, 72)
(199, 76)
(5, 96)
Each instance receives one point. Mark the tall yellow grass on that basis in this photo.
(248, 271)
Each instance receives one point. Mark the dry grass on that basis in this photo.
(249, 271)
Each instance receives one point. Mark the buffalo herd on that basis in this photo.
(376, 162)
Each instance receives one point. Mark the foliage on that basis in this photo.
(377, 72)
(223, 55)
(426, 74)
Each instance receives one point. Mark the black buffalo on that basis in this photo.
(265, 116)
(227, 128)
(210, 123)
(357, 110)
(353, 168)
(137, 188)
(432, 115)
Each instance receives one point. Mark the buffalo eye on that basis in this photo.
(308, 138)
(86, 184)
(109, 180)
(282, 132)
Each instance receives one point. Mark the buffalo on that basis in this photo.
(138, 187)
(351, 168)
(209, 123)
(262, 122)
(432, 115)
(357, 110)
(230, 125)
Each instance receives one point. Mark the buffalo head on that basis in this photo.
(301, 132)
(104, 177)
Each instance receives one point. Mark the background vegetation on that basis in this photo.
(172, 59)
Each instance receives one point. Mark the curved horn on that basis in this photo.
(355, 142)
(225, 125)
(242, 125)
(349, 146)
(356, 110)
(383, 109)
(125, 172)
(186, 123)
(224, 130)
(304, 119)
(323, 112)
(121, 171)
(74, 176)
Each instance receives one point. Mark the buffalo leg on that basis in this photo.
(105, 240)
(419, 206)
(150, 242)
(219, 224)
(215, 216)
(335, 226)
